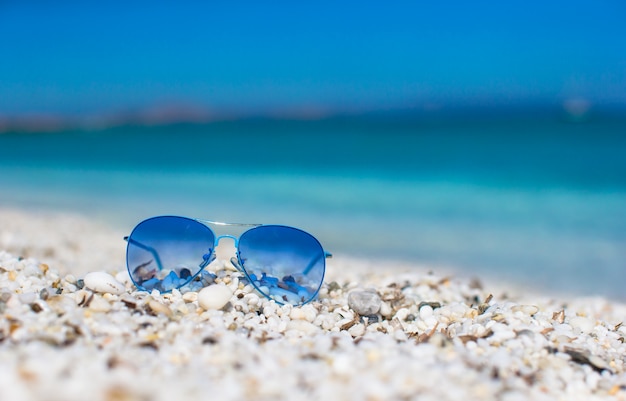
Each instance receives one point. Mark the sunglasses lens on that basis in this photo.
(164, 253)
(284, 263)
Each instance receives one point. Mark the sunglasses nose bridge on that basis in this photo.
(228, 236)
(225, 249)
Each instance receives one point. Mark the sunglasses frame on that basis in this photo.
(236, 260)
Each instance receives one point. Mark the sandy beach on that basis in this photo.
(439, 188)
(377, 332)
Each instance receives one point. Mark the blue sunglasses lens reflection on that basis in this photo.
(164, 253)
(283, 263)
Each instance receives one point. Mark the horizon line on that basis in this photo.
(573, 110)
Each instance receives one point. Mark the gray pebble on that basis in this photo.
(365, 303)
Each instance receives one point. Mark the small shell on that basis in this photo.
(525, 309)
(159, 308)
(104, 282)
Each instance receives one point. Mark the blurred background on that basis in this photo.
(487, 138)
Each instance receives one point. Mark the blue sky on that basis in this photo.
(74, 58)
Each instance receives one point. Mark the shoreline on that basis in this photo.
(60, 340)
(538, 236)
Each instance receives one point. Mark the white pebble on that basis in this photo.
(98, 304)
(426, 311)
(457, 311)
(13, 302)
(103, 282)
(342, 365)
(581, 323)
(70, 279)
(309, 312)
(27, 297)
(214, 296)
(399, 335)
(303, 313)
(357, 330)
(253, 299)
(158, 307)
(123, 277)
(297, 314)
(190, 296)
(402, 314)
(501, 336)
(385, 309)
(430, 322)
(302, 326)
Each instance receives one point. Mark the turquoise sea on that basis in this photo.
(538, 200)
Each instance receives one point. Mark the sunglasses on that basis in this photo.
(283, 263)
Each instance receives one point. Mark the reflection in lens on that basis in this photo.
(167, 252)
(284, 263)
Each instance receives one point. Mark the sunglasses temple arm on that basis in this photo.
(314, 261)
(150, 249)
(235, 263)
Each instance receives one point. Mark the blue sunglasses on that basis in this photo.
(283, 263)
